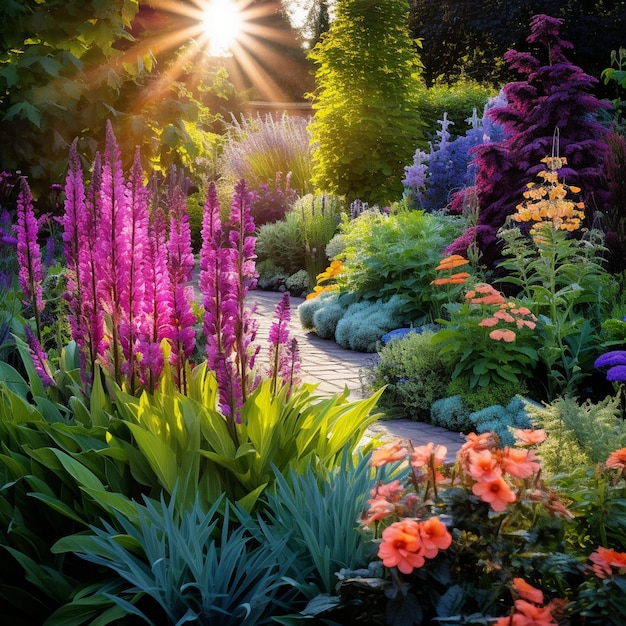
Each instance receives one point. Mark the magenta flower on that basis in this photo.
(112, 249)
(29, 254)
(180, 267)
(40, 358)
(133, 244)
(283, 350)
(73, 222)
(156, 322)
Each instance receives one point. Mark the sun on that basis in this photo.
(222, 24)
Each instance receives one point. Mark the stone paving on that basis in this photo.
(333, 368)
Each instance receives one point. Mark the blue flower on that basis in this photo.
(614, 357)
(617, 374)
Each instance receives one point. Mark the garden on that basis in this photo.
(162, 465)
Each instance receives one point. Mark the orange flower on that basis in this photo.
(527, 591)
(388, 454)
(435, 536)
(451, 262)
(617, 459)
(604, 559)
(505, 335)
(520, 463)
(402, 546)
(530, 436)
(495, 492)
(483, 466)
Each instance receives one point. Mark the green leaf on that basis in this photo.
(160, 456)
(24, 110)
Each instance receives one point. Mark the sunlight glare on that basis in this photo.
(222, 23)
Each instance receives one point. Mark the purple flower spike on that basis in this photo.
(612, 358)
(617, 374)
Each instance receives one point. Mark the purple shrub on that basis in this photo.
(550, 97)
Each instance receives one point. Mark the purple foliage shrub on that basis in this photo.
(552, 96)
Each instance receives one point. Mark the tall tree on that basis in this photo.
(366, 121)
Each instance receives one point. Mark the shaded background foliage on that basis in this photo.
(470, 37)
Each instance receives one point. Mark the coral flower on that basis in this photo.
(530, 436)
(435, 536)
(535, 615)
(617, 459)
(402, 546)
(483, 466)
(520, 463)
(422, 454)
(380, 508)
(505, 335)
(495, 492)
(388, 454)
(488, 322)
(387, 491)
(527, 591)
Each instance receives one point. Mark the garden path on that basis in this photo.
(332, 367)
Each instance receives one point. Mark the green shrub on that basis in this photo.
(457, 100)
(579, 433)
(396, 254)
(414, 375)
(477, 398)
(366, 117)
(319, 216)
(308, 308)
(271, 276)
(298, 284)
(282, 242)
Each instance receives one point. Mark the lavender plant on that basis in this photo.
(258, 148)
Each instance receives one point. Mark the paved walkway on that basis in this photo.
(332, 367)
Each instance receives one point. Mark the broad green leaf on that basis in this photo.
(161, 458)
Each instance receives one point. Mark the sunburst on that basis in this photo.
(242, 32)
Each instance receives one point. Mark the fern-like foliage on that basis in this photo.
(579, 433)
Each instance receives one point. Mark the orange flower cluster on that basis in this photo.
(508, 312)
(487, 467)
(617, 459)
(451, 262)
(408, 543)
(548, 203)
(331, 272)
(607, 562)
(529, 608)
